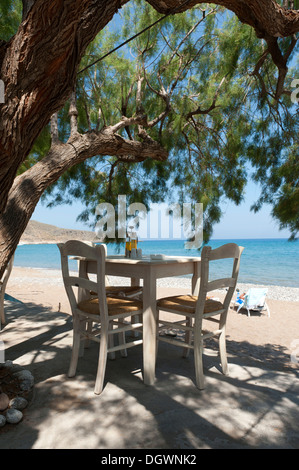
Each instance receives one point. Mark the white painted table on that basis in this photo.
(149, 270)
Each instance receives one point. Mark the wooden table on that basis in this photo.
(149, 270)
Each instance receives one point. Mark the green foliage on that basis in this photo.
(291, 4)
(10, 18)
(217, 116)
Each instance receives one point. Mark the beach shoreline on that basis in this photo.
(44, 287)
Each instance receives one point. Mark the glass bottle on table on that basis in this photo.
(134, 245)
(134, 241)
(128, 247)
(129, 242)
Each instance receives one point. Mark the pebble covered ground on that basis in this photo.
(16, 384)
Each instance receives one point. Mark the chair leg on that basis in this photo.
(122, 340)
(85, 342)
(75, 348)
(101, 363)
(111, 355)
(135, 319)
(223, 355)
(188, 337)
(2, 313)
(198, 352)
(89, 330)
(157, 332)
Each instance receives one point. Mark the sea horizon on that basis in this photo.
(265, 261)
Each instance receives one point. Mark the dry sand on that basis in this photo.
(256, 406)
(272, 339)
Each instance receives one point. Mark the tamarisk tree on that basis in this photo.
(203, 98)
(41, 49)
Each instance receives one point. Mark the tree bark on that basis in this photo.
(39, 67)
(265, 16)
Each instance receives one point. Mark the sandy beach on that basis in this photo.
(256, 406)
(267, 338)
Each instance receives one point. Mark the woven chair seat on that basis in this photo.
(116, 306)
(187, 304)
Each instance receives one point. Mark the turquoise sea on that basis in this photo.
(264, 261)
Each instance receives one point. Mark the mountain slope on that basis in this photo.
(37, 232)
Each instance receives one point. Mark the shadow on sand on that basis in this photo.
(256, 406)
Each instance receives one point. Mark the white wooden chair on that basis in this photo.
(129, 292)
(198, 308)
(103, 311)
(3, 283)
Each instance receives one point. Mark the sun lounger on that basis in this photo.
(254, 299)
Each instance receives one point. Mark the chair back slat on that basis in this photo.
(74, 248)
(229, 250)
(86, 284)
(221, 283)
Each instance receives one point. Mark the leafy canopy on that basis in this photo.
(195, 77)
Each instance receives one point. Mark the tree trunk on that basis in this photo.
(38, 67)
(29, 186)
(267, 17)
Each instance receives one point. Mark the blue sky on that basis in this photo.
(237, 221)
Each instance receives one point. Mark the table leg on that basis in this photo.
(135, 281)
(149, 328)
(82, 267)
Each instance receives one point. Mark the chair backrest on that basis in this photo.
(89, 243)
(227, 251)
(97, 253)
(255, 297)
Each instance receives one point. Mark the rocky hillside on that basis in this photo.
(37, 232)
